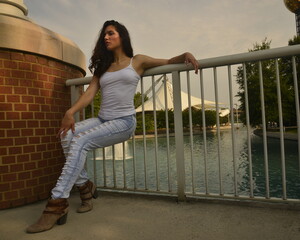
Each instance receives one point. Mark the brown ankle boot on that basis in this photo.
(87, 192)
(56, 211)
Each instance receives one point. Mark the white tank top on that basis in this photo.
(117, 92)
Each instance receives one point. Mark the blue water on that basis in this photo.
(160, 181)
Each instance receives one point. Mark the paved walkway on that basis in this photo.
(123, 217)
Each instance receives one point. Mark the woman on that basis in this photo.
(116, 73)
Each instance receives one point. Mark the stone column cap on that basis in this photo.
(25, 35)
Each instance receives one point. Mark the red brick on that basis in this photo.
(18, 74)
(31, 75)
(6, 107)
(2, 133)
(23, 175)
(45, 93)
(42, 147)
(16, 167)
(37, 173)
(39, 115)
(15, 150)
(40, 131)
(23, 158)
(25, 192)
(17, 185)
(46, 139)
(10, 64)
(8, 159)
(4, 187)
(27, 115)
(36, 156)
(28, 149)
(13, 98)
(47, 155)
(25, 66)
(19, 124)
(18, 202)
(47, 70)
(5, 204)
(20, 90)
(30, 166)
(17, 56)
(5, 124)
(34, 107)
(2, 98)
(27, 132)
(43, 180)
(50, 116)
(42, 164)
(20, 107)
(12, 115)
(21, 141)
(10, 195)
(38, 84)
(44, 124)
(9, 177)
(40, 100)
(31, 199)
(26, 83)
(34, 91)
(37, 68)
(11, 81)
(32, 123)
(5, 90)
(27, 99)
(42, 61)
(50, 146)
(13, 133)
(42, 77)
(30, 58)
(34, 140)
(3, 169)
(5, 55)
(6, 142)
(48, 85)
(32, 182)
(3, 151)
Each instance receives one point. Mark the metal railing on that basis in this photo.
(186, 168)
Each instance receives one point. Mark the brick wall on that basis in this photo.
(33, 100)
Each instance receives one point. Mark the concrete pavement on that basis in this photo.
(131, 217)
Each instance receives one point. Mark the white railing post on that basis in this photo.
(75, 94)
(178, 136)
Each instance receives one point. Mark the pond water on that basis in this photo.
(119, 173)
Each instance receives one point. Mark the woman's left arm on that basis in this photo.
(145, 62)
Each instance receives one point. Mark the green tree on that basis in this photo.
(269, 86)
(138, 99)
(287, 86)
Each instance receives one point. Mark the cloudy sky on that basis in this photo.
(165, 28)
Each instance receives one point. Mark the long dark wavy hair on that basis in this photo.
(103, 58)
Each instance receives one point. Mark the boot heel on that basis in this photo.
(95, 194)
(62, 220)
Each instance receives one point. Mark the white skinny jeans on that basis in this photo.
(89, 134)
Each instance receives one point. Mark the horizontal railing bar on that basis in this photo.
(211, 62)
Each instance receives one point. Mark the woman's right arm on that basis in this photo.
(68, 122)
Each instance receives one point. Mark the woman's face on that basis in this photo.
(112, 38)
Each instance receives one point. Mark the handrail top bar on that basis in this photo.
(211, 62)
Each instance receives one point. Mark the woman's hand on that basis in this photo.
(67, 123)
(190, 59)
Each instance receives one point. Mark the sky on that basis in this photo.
(166, 28)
